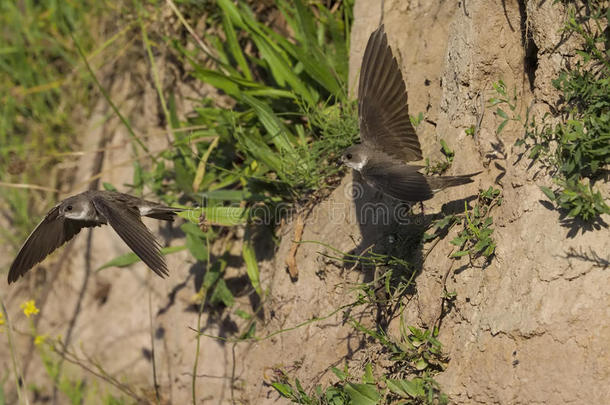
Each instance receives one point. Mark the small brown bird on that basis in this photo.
(388, 137)
(95, 208)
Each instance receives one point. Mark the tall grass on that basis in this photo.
(40, 88)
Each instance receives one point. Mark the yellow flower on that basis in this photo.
(39, 339)
(2, 321)
(29, 308)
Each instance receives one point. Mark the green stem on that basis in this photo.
(202, 295)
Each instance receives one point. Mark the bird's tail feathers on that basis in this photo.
(439, 183)
(163, 213)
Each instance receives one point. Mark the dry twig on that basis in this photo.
(291, 260)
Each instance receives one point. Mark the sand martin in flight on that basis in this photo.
(388, 137)
(95, 208)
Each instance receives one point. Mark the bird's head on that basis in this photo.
(76, 207)
(355, 157)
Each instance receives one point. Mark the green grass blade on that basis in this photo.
(252, 266)
(280, 135)
(230, 16)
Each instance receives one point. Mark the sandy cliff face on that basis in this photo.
(532, 327)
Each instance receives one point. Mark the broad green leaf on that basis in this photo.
(184, 177)
(306, 24)
(459, 240)
(421, 364)
(197, 247)
(459, 253)
(406, 388)
(228, 195)
(220, 216)
(218, 80)
(363, 394)
(252, 266)
(222, 294)
(339, 373)
(575, 211)
(548, 192)
(490, 249)
(283, 389)
(316, 66)
(480, 245)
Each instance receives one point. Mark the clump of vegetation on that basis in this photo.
(290, 115)
(279, 142)
(576, 150)
(417, 354)
(441, 166)
(474, 239)
(415, 357)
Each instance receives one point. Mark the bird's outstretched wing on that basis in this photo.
(127, 224)
(382, 102)
(400, 181)
(52, 232)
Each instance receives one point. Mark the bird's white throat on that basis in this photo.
(357, 166)
(83, 215)
(88, 213)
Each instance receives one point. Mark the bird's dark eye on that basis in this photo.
(349, 156)
(69, 208)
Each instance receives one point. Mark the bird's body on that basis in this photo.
(91, 209)
(388, 139)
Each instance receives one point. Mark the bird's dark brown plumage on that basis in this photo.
(382, 103)
(89, 209)
(388, 137)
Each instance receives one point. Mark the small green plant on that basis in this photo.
(578, 199)
(576, 149)
(290, 114)
(423, 349)
(470, 130)
(343, 392)
(441, 166)
(393, 274)
(417, 354)
(371, 389)
(475, 237)
(415, 121)
(504, 99)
